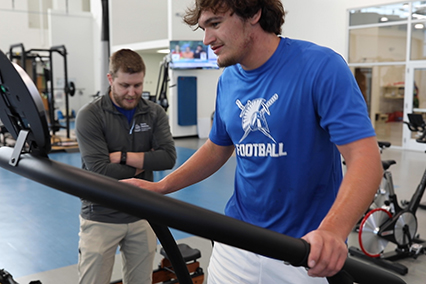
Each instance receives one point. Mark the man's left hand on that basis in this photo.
(328, 253)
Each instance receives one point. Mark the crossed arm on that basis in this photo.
(134, 159)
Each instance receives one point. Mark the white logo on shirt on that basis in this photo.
(142, 127)
(253, 116)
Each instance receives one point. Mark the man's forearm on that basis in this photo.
(135, 159)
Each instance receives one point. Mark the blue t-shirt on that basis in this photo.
(285, 119)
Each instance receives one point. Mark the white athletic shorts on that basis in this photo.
(230, 265)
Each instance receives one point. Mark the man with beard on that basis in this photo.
(121, 135)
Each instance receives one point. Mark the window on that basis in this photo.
(378, 44)
(380, 14)
(383, 43)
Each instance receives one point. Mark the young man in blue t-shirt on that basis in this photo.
(289, 109)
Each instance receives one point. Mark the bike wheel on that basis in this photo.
(405, 228)
(369, 241)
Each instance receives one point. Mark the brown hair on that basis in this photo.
(271, 20)
(127, 61)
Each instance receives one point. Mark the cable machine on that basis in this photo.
(163, 80)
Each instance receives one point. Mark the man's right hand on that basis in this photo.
(148, 185)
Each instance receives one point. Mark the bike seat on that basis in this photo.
(384, 144)
(387, 163)
(422, 139)
(187, 252)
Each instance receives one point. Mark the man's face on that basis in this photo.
(126, 89)
(228, 36)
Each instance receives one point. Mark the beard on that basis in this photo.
(123, 103)
(236, 55)
(226, 61)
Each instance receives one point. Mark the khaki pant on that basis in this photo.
(98, 245)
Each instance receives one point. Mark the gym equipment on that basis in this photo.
(165, 273)
(156, 208)
(390, 222)
(45, 57)
(382, 193)
(105, 46)
(3, 133)
(163, 80)
(7, 278)
(417, 124)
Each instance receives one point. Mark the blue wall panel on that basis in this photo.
(187, 100)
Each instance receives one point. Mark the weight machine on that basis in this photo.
(28, 60)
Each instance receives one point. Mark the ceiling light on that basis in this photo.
(384, 19)
(419, 16)
(419, 26)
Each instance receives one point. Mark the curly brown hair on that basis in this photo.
(271, 20)
(127, 61)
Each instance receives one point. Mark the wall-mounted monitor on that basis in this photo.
(192, 54)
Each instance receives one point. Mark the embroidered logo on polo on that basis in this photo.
(253, 119)
(142, 127)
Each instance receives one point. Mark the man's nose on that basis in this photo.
(131, 91)
(208, 37)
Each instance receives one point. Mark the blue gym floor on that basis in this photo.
(39, 225)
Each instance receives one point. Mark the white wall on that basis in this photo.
(178, 30)
(137, 21)
(324, 22)
(75, 32)
(68, 6)
(18, 18)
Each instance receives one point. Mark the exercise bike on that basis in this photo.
(382, 193)
(390, 222)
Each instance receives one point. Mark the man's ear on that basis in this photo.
(256, 17)
(110, 79)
